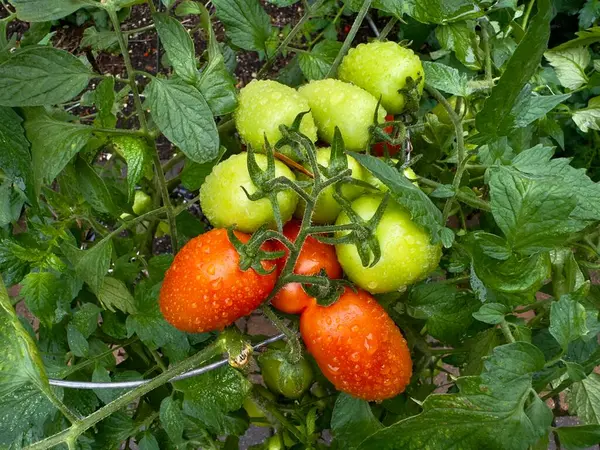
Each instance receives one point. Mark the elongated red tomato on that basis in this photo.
(358, 346)
(313, 257)
(205, 290)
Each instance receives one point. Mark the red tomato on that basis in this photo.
(205, 290)
(314, 256)
(358, 346)
(378, 149)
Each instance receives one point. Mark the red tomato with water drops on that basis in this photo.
(205, 290)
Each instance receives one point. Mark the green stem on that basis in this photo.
(485, 41)
(387, 29)
(506, 331)
(291, 336)
(115, 131)
(351, 35)
(527, 14)
(81, 426)
(71, 417)
(471, 201)
(130, 71)
(138, 30)
(333, 22)
(297, 28)
(164, 191)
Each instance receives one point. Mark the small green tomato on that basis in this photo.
(385, 69)
(266, 104)
(407, 255)
(225, 204)
(350, 108)
(327, 208)
(142, 203)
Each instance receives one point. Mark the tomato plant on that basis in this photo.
(275, 224)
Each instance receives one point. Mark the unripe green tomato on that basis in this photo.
(255, 413)
(263, 105)
(327, 208)
(382, 68)
(162, 229)
(283, 377)
(274, 443)
(442, 113)
(225, 204)
(373, 180)
(407, 256)
(142, 203)
(350, 108)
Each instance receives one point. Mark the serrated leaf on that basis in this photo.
(247, 24)
(442, 11)
(421, 208)
(114, 295)
(588, 118)
(38, 76)
(148, 441)
(93, 189)
(85, 319)
(137, 155)
(42, 292)
(99, 40)
(584, 38)
(91, 265)
(217, 86)
(491, 313)
(179, 46)
(447, 311)
(316, 64)
(53, 144)
(492, 245)
(446, 78)
(104, 99)
(171, 418)
(487, 409)
(570, 65)
(352, 421)
(101, 375)
(519, 70)
(77, 341)
(188, 7)
(579, 437)
(534, 107)
(584, 399)
(461, 38)
(44, 10)
(184, 117)
(567, 320)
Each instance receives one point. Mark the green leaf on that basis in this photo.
(487, 409)
(316, 64)
(247, 24)
(137, 155)
(148, 441)
(588, 118)
(85, 319)
(188, 7)
(352, 421)
(447, 310)
(584, 38)
(91, 265)
(104, 99)
(184, 117)
(23, 380)
(570, 65)
(15, 159)
(519, 70)
(171, 418)
(492, 245)
(210, 396)
(576, 372)
(39, 76)
(179, 46)
(101, 375)
(93, 189)
(442, 11)
(534, 107)
(584, 399)
(578, 438)
(193, 174)
(461, 38)
(37, 32)
(491, 313)
(42, 292)
(567, 320)
(114, 295)
(420, 206)
(217, 86)
(446, 78)
(44, 10)
(533, 213)
(99, 40)
(53, 144)
(77, 341)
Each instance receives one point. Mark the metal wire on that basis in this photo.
(133, 384)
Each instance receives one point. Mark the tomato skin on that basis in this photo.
(378, 149)
(263, 105)
(225, 204)
(382, 68)
(335, 103)
(205, 290)
(327, 208)
(407, 255)
(283, 377)
(314, 256)
(357, 346)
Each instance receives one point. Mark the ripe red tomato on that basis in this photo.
(205, 290)
(313, 257)
(357, 346)
(378, 149)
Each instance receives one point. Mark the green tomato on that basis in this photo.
(350, 108)
(142, 203)
(327, 208)
(274, 443)
(283, 377)
(225, 204)
(385, 69)
(442, 114)
(263, 106)
(407, 256)
(374, 181)
(254, 411)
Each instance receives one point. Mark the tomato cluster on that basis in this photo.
(354, 342)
